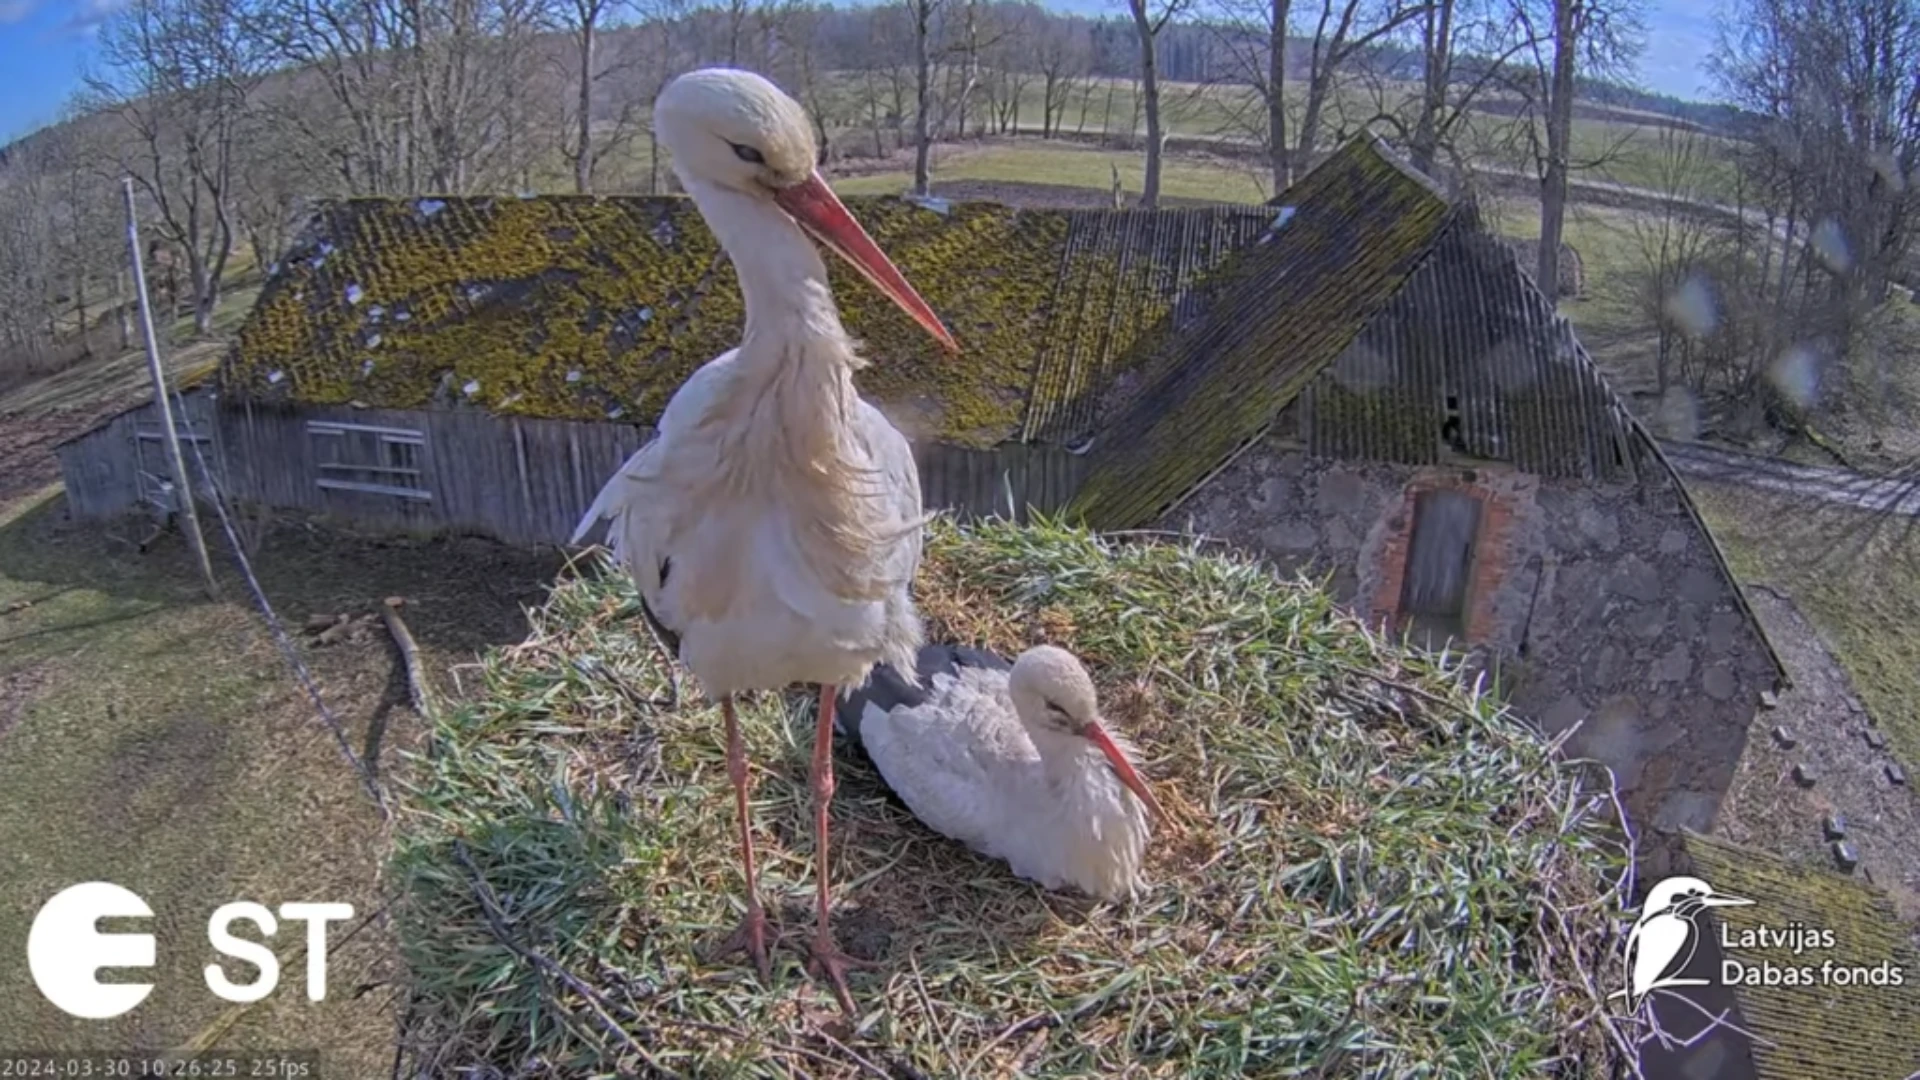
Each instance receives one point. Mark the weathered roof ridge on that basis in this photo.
(1344, 242)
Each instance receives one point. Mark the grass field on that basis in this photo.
(156, 739)
(1854, 575)
(1065, 165)
(1623, 150)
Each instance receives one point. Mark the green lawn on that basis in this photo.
(1070, 166)
(158, 740)
(152, 739)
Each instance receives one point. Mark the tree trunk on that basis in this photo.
(1150, 98)
(1553, 186)
(1317, 93)
(1437, 48)
(583, 165)
(923, 99)
(80, 309)
(1277, 157)
(125, 307)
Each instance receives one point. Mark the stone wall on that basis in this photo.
(1605, 606)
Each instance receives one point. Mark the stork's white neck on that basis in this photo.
(1094, 832)
(790, 310)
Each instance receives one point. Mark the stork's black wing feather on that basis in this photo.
(667, 637)
(934, 659)
(888, 689)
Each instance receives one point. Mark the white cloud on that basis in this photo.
(88, 15)
(13, 11)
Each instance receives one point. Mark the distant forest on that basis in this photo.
(232, 116)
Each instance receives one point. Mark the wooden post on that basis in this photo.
(180, 485)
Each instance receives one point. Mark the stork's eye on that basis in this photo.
(748, 154)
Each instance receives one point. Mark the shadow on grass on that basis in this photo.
(462, 594)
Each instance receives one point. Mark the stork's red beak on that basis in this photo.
(1128, 774)
(819, 211)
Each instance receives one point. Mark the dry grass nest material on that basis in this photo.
(1373, 868)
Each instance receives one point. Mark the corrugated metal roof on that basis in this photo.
(1469, 356)
(1345, 244)
(1829, 1032)
(1124, 274)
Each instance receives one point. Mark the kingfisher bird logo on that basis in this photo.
(1666, 936)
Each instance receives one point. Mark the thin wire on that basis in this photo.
(279, 632)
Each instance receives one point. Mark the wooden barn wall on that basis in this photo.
(519, 480)
(117, 465)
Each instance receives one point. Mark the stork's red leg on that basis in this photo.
(827, 956)
(752, 934)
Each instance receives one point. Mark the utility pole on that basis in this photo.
(182, 490)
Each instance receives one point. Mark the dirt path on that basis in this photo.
(1841, 487)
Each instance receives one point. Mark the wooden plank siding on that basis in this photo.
(518, 480)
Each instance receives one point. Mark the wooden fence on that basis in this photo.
(522, 481)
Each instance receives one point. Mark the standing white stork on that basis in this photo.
(1013, 761)
(773, 526)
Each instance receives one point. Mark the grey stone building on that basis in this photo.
(1461, 471)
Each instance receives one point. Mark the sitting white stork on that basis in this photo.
(1012, 761)
(774, 525)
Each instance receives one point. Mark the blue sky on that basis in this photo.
(45, 43)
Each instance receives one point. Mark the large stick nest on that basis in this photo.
(1373, 868)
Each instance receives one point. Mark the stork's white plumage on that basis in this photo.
(773, 526)
(1012, 760)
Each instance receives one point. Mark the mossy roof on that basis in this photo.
(591, 308)
(1349, 235)
(1834, 1033)
(580, 307)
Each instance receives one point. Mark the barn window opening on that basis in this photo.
(1452, 429)
(1433, 592)
(370, 459)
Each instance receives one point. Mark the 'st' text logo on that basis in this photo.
(67, 950)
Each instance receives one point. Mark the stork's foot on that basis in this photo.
(827, 961)
(750, 938)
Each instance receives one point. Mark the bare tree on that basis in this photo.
(1150, 17)
(178, 76)
(1462, 48)
(583, 20)
(1594, 38)
(1833, 90)
(1342, 30)
(924, 16)
(1673, 243)
(275, 167)
(1063, 56)
(1256, 35)
(356, 50)
(28, 279)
